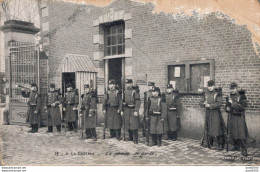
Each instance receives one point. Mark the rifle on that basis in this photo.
(123, 96)
(105, 121)
(228, 104)
(205, 136)
(145, 114)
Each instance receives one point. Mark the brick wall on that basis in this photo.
(158, 39)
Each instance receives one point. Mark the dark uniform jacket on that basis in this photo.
(53, 112)
(34, 105)
(238, 127)
(156, 124)
(71, 101)
(214, 122)
(171, 110)
(89, 109)
(131, 104)
(112, 105)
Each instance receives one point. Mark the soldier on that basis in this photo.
(238, 127)
(214, 123)
(171, 112)
(156, 118)
(89, 111)
(111, 110)
(34, 104)
(146, 122)
(52, 102)
(71, 101)
(131, 105)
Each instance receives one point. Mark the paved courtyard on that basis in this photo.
(66, 148)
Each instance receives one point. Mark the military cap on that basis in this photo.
(211, 83)
(129, 81)
(112, 81)
(169, 86)
(33, 85)
(150, 83)
(233, 85)
(68, 85)
(156, 89)
(52, 86)
(86, 86)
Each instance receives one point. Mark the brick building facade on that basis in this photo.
(162, 47)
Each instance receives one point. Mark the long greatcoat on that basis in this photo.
(237, 126)
(112, 105)
(71, 101)
(214, 122)
(172, 110)
(131, 104)
(34, 104)
(156, 124)
(89, 110)
(53, 112)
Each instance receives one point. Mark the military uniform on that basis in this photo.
(237, 127)
(52, 102)
(131, 103)
(156, 119)
(89, 112)
(171, 113)
(34, 103)
(70, 104)
(146, 121)
(214, 123)
(112, 107)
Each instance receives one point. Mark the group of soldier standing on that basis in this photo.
(121, 109)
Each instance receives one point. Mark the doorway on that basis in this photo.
(115, 71)
(68, 77)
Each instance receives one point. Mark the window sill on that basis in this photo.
(114, 57)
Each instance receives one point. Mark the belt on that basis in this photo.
(113, 105)
(131, 106)
(172, 109)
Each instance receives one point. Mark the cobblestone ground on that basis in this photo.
(22, 148)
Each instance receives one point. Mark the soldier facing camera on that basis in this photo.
(236, 105)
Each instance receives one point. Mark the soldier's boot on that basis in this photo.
(94, 134)
(31, 129)
(130, 135)
(243, 147)
(236, 145)
(35, 128)
(169, 135)
(118, 132)
(88, 134)
(135, 134)
(154, 139)
(50, 129)
(211, 141)
(75, 126)
(159, 137)
(112, 133)
(174, 137)
(221, 142)
(70, 128)
(58, 128)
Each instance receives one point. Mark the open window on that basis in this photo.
(189, 76)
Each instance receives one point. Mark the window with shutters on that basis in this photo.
(189, 76)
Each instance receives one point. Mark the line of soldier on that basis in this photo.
(214, 128)
(160, 113)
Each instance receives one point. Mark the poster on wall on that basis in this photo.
(173, 84)
(206, 79)
(177, 72)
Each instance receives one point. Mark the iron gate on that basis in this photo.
(23, 70)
